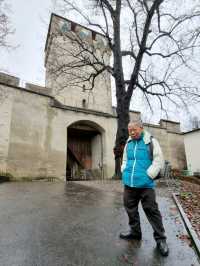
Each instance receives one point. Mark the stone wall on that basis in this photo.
(29, 135)
(33, 134)
(6, 104)
(8, 79)
(171, 142)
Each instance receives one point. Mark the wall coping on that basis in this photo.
(169, 121)
(27, 90)
(191, 131)
(57, 104)
(68, 20)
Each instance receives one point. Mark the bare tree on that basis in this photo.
(5, 25)
(196, 122)
(160, 39)
(193, 123)
(5, 31)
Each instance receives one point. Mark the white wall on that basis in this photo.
(29, 135)
(192, 149)
(6, 103)
(97, 155)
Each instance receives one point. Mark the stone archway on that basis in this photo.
(84, 151)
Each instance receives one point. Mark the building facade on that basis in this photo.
(192, 147)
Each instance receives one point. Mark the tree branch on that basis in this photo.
(137, 66)
(130, 53)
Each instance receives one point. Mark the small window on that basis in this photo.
(73, 26)
(83, 88)
(93, 35)
(65, 27)
(84, 103)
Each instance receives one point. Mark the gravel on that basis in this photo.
(189, 198)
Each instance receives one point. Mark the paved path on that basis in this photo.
(77, 224)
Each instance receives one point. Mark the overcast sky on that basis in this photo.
(30, 19)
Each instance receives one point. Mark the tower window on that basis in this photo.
(93, 35)
(83, 88)
(73, 26)
(84, 103)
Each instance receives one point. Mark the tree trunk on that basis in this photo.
(121, 136)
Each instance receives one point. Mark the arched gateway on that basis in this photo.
(85, 147)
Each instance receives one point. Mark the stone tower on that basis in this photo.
(63, 49)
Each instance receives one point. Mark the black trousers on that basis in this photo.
(147, 196)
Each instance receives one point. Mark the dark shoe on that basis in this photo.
(130, 236)
(163, 247)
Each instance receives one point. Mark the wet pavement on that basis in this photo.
(78, 223)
